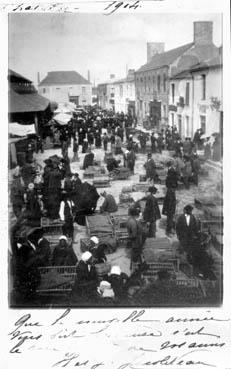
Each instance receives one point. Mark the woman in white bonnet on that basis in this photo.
(118, 281)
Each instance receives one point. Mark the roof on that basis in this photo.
(16, 77)
(63, 78)
(124, 80)
(209, 63)
(19, 103)
(166, 58)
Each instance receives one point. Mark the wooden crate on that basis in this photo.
(101, 183)
(56, 279)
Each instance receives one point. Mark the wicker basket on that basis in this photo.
(56, 279)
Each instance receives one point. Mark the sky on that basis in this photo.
(102, 44)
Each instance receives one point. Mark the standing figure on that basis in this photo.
(66, 214)
(151, 211)
(134, 235)
(169, 208)
(150, 168)
(186, 229)
(105, 141)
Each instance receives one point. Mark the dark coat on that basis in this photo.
(43, 251)
(169, 205)
(86, 281)
(88, 160)
(184, 231)
(150, 169)
(172, 178)
(151, 210)
(64, 256)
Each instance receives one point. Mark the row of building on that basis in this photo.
(181, 87)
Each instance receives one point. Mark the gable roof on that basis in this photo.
(166, 58)
(63, 78)
(16, 77)
(25, 103)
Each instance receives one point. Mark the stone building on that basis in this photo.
(125, 94)
(106, 94)
(66, 86)
(152, 81)
(198, 98)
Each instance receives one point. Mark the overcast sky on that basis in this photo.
(95, 42)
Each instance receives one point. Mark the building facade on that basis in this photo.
(197, 99)
(125, 94)
(106, 94)
(154, 92)
(66, 86)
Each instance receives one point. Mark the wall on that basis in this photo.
(146, 85)
(203, 107)
(60, 93)
(124, 93)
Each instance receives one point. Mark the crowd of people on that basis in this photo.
(54, 192)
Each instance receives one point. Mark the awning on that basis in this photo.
(24, 103)
(62, 118)
(21, 130)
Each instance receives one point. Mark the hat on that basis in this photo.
(86, 256)
(103, 193)
(149, 155)
(188, 208)
(104, 285)
(126, 151)
(95, 240)
(62, 238)
(152, 189)
(115, 270)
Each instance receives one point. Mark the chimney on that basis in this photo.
(88, 76)
(112, 76)
(130, 73)
(38, 78)
(154, 48)
(203, 33)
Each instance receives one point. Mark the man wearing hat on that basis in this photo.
(186, 228)
(151, 211)
(109, 205)
(150, 168)
(66, 213)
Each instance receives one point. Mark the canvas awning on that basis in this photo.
(21, 130)
(62, 118)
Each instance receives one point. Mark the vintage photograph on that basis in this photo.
(115, 160)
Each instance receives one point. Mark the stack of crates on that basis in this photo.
(52, 231)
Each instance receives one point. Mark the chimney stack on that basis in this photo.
(38, 78)
(203, 33)
(112, 76)
(88, 76)
(154, 48)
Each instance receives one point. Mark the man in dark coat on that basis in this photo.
(66, 213)
(169, 208)
(43, 249)
(134, 235)
(131, 158)
(16, 193)
(195, 162)
(150, 168)
(151, 211)
(186, 229)
(172, 176)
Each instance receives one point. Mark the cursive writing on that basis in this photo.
(71, 358)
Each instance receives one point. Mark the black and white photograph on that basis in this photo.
(115, 160)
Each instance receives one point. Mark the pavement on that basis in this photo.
(208, 185)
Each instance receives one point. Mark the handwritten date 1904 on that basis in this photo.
(115, 5)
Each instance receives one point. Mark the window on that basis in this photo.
(172, 115)
(158, 83)
(121, 91)
(164, 110)
(44, 90)
(187, 125)
(203, 86)
(180, 124)
(57, 88)
(173, 92)
(203, 122)
(187, 94)
(83, 90)
(141, 80)
(165, 82)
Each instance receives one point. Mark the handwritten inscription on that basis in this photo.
(145, 341)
